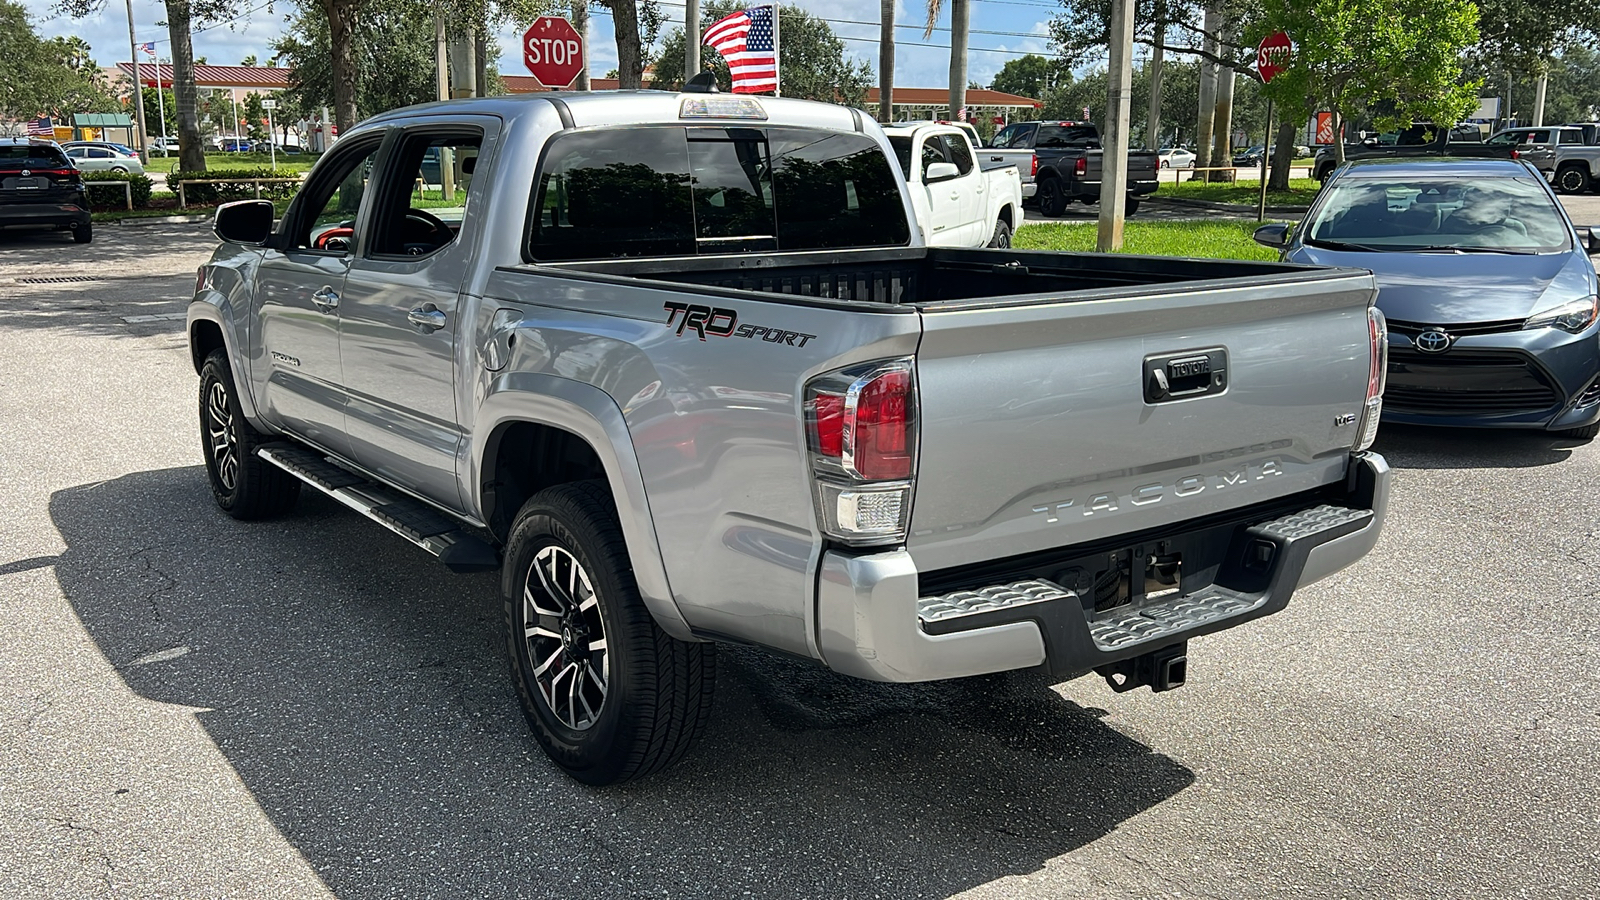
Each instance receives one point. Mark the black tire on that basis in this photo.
(1586, 433)
(1324, 172)
(244, 485)
(1052, 200)
(83, 234)
(120, 170)
(1002, 235)
(1572, 180)
(657, 690)
(1130, 206)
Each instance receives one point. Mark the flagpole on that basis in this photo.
(138, 89)
(777, 70)
(161, 105)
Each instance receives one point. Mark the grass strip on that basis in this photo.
(1225, 239)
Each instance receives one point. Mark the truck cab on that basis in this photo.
(959, 201)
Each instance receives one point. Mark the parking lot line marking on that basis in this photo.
(156, 317)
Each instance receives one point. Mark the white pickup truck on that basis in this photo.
(958, 202)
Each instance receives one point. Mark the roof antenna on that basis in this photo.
(703, 83)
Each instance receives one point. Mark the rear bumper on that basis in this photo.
(1029, 188)
(43, 214)
(874, 623)
(1090, 190)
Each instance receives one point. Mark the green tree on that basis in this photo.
(393, 57)
(1027, 76)
(39, 77)
(811, 58)
(960, 17)
(255, 117)
(154, 106)
(248, 61)
(1398, 60)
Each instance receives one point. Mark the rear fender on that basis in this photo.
(592, 415)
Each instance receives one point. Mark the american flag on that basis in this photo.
(149, 48)
(41, 127)
(748, 41)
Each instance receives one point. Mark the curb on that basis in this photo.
(1232, 207)
(162, 220)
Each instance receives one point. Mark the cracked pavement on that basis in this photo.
(193, 707)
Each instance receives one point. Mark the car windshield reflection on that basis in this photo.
(1439, 214)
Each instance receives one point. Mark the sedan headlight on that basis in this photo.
(1573, 316)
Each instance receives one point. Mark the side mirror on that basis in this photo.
(1589, 237)
(1275, 235)
(244, 221)
(940, 171)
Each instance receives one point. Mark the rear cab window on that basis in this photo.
(682, 191)
(32, 156)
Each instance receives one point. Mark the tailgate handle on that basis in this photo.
(1180, 376)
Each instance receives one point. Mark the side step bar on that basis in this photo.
(411, 519)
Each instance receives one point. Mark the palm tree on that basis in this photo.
(886, 61)
(960, 14)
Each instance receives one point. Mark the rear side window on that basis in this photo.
(959, 153)
(32, 156)
(676, 192)
(1072, 136)
(1571, 137)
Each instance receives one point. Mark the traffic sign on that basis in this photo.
(1272, 58)
(553, 51)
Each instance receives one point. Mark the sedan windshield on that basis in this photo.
(1505, 214)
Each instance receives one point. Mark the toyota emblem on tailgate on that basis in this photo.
(1434, 341)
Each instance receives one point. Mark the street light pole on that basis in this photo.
(138, 89)
(161, 104)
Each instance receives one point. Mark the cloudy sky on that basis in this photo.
(1001, 30)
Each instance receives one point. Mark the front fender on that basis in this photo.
(212, 306)
(591, 414)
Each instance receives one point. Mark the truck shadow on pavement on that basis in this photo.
(359, 690)
(1429, 447)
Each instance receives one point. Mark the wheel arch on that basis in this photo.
(209, 329)
(535, 431)
(1008, 216)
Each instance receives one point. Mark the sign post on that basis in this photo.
(553, 51)
(272, 134)
(1272, 58)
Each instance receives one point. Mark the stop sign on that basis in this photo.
(553, 51)
(1272, 58)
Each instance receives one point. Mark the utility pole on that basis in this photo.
(138, 90)
(1208, 93)
(1222, 125)
(1538, 97)
(1152, 128)
(441, 64)
(161, 109)
(580, 22)
(691, 39)
(1114, 156)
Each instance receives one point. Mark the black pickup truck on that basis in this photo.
(1420, 139)
(1060, 162)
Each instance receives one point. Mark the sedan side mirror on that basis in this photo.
(1589, 237)
(1275, 235)
(244, 221)
(940, 171)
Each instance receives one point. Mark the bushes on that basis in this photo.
(107, 198)
(230, 184)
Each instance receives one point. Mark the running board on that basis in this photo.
(410, 518)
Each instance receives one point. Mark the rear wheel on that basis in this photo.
(1572, 180)
(244, 485)
(1002, 234)
(607, 693)
(120, 170)
(1586, 433)
(83, 234)
(1052, 201)
(1130, 206)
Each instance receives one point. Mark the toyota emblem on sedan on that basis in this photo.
(1434, 341)
(26, 173)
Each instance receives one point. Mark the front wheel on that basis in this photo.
(244, 485)
(609, 695)
(1002, 235)
(1572, 180)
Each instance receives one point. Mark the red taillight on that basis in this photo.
(826, 414)
(1035, 171)
(862, 421)
(199, 279)
(1081, 167)
(883, 427)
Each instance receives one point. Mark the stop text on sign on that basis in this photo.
(555, 51)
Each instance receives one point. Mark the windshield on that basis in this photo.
(1501, 213)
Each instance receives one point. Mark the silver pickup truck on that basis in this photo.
(677, 366)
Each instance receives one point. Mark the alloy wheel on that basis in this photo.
(565, 637)
(223, 435)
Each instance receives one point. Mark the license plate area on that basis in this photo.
(1135, 575)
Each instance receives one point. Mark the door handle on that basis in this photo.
(426, 317)
(326, 299)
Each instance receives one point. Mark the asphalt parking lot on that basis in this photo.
(195, 707)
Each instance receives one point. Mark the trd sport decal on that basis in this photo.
(719, 322)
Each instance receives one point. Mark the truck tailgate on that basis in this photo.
(1039, 429)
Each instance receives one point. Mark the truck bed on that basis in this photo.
(948, 278)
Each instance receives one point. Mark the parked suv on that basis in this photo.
(39, 187)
